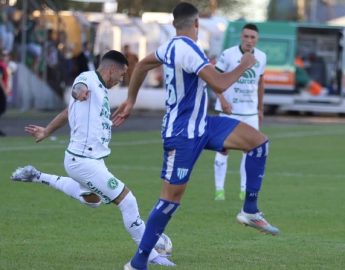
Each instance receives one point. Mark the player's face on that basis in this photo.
(249, 39)
(116, 74)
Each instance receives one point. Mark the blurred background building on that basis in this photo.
(50, 42)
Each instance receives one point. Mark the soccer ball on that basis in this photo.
(164, 245)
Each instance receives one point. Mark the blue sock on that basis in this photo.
(156, 223)
(255, 169)
(250, 203)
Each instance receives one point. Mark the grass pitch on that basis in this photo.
(302, 194)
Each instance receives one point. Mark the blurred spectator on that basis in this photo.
(303, 79)
(54, 70)
(84, 60)
(6, 29)
(132, 60)
(4, 87)
(68, 62)
(35, 39)
(317, 69)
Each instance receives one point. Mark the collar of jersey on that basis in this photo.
(183, 37)
(101, 79)
(239, 46)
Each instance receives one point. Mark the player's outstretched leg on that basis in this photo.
(255, 169)
(26, 174)
(64, 184)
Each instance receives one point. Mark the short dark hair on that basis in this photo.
(251, 26)
(182, 12)
(116, 57)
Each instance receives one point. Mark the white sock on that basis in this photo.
(243, 173)
(66, 185)
(220, 167)
(134, 225)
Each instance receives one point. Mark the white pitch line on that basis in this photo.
(300, 134)
(63, 145)
(42, 146)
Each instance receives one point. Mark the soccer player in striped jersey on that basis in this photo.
(90, 182)
(243, 100)
(187, 129)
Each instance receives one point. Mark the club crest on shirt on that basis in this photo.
(182, 173)
(112, 183)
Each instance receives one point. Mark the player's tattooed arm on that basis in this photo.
(80, 92)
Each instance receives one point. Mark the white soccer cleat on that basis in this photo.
(257, 221)
(128, 266)
(25, 174)
(162, 260)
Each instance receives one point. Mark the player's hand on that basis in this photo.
(248, 60)
(226, 106)
(122, 113)
(38, 132)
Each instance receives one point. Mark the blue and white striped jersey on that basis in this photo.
(186, 95)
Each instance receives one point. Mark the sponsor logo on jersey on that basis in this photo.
(112, 183)
(249, 74)
(248, 77)
(105, 108)
(95, 190)
(182, 172)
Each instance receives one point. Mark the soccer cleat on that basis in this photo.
(25, 174)
(257, 221)
(242, 195)
(161, 260)
(220, 195)
(128, 266)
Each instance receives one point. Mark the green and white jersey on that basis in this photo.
(89, 120)
(242, 95)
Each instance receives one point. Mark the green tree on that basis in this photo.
(136, 7)
(282, 10)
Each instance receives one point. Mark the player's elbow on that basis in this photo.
(218, 87)
(220, 90)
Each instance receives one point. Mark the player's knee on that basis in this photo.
(261, 150)
(91, 200)
(93, 205)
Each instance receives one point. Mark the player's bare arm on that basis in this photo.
(226, 106)
(40, 133)
(80, 92)
(138, 76)
(218, 81)
(261, 91)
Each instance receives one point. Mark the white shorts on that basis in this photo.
(252, 120)
(93, 175)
